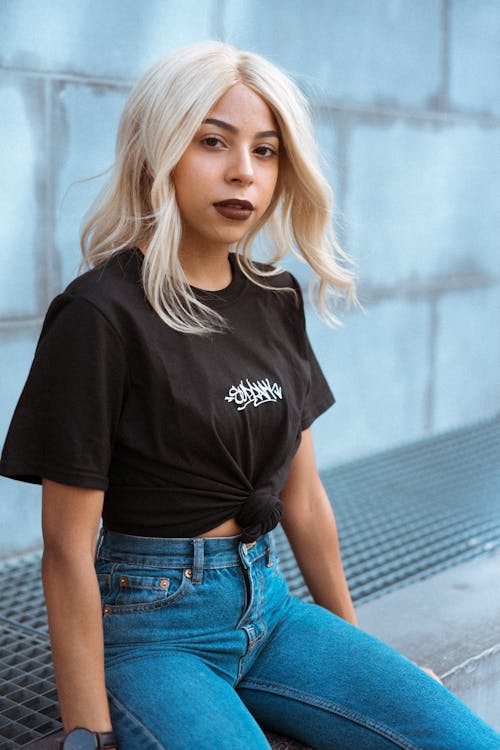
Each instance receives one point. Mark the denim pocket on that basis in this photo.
(126, 589)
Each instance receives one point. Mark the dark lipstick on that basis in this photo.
(233, 208)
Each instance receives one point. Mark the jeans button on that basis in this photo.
(188, 573)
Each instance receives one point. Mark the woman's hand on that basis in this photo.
(431, 674)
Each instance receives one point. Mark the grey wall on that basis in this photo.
(406, 99)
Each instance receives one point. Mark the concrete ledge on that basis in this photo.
(451, 623)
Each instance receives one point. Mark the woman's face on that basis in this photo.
(226, 178)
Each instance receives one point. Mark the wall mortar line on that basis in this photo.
(369, 110)
(218, 20)
(393, 113)
(121, 83)
(431, 353)
(445, 55)
(50, 193)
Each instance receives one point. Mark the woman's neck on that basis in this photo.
(205, 270)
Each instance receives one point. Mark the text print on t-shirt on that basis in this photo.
(256, 393)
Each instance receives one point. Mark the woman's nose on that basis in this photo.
(240, 167)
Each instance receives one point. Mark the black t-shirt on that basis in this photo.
(182, 431)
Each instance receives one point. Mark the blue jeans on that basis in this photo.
(204, 644)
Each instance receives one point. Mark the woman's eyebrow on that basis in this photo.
(233, 129)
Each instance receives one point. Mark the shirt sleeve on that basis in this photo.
(66, 419)
(319, 396)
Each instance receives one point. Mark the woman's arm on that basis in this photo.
(310, 527)
(70, 521)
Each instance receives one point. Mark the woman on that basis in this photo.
(172, 392)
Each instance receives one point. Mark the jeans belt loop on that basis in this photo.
(269, 551)
(198, 561)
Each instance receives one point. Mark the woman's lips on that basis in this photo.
(234, 209)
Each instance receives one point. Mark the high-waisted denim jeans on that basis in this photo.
(204, 644)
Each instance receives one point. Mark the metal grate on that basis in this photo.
(22, 597)
(28, 699)
(408, 513)
(402, 515)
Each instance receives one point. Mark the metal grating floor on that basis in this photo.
(28, 699)
(402, 515)
(410, 512)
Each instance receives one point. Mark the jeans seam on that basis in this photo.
(132, 717)
(176, 564)
(346, 713)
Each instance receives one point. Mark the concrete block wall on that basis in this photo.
(406, 100)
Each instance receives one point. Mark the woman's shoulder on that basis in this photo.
(115, 272)
(111, 283)
(275, 276)
(100, 295)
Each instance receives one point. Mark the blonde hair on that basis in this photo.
(161, 117)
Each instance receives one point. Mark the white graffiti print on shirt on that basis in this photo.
(256, 393)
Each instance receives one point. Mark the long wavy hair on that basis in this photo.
(138, 206)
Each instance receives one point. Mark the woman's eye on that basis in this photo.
(212, 141)
(266, 151)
